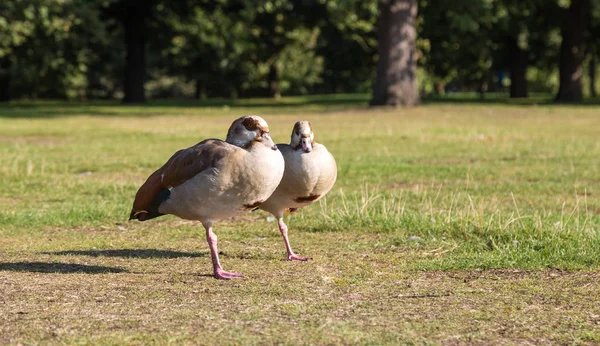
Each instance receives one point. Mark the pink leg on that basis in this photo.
(214, 254)
(291, 255)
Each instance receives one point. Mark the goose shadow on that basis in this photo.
(129, 253)
(58, 268)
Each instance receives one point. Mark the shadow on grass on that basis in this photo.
(27, 109)
(50, 109)
(58, 268)
(499, 99)
(129, 253)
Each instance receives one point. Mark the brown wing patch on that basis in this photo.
(305, 199)
(182, 166)
(146, 193)
(185, 164)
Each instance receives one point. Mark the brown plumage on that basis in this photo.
(214, 180)
(182, 166)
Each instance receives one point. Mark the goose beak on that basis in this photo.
(270, 142)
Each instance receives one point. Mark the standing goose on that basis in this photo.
(214, 180)
(310, 172)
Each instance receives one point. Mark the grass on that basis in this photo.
(449, 224)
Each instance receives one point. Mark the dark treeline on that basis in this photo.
(399, 50)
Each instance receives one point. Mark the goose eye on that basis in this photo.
(249, 124)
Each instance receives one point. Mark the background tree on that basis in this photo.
(15, 29)
(134, 16)
(49, 46)
(348, 44)
(139, 20)
(522, 31)
(206, 49)
(396, 81)
(572, 51)
(593, 46)
(514, 22)
(134, 49)
(285, 33)
(457, 43)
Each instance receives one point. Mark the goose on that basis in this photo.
(214, 180)
(310, 172)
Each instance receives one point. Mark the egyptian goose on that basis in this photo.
(310, 172)
(214, 180)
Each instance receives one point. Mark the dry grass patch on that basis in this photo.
(290, 303)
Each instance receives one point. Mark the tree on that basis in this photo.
(134, 22)
(592, 75)
(140, 20)
(521, 32)
(457, 41)
(133, 16)
(281, 25)
(396, 81)
(271, 19)
(348, 43)
(518, 24)
(210, 48)
(241, 48)
(572, 51)
(593, 46)
(519, 60)
(15, 29)
(46, 46)
(4, 79)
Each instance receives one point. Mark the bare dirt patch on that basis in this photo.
(293, 304)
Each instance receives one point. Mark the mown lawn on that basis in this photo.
(449, 224)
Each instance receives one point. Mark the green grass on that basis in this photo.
(502, 197)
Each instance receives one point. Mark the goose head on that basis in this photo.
(250, 130)
(303, 136)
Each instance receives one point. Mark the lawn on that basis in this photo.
(449, 224)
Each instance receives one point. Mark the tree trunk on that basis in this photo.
(135, 52)
(440, 88)
(274, 81)
(198, 93)
(519, 59)
(592, 73)
(572, 52)
(4, 80)
(396, 81)
(483, 88)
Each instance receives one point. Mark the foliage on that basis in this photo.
(50, 44)
(466, 42)
(75, 49)
(349, 44)
(228, 52)
(456, 41)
